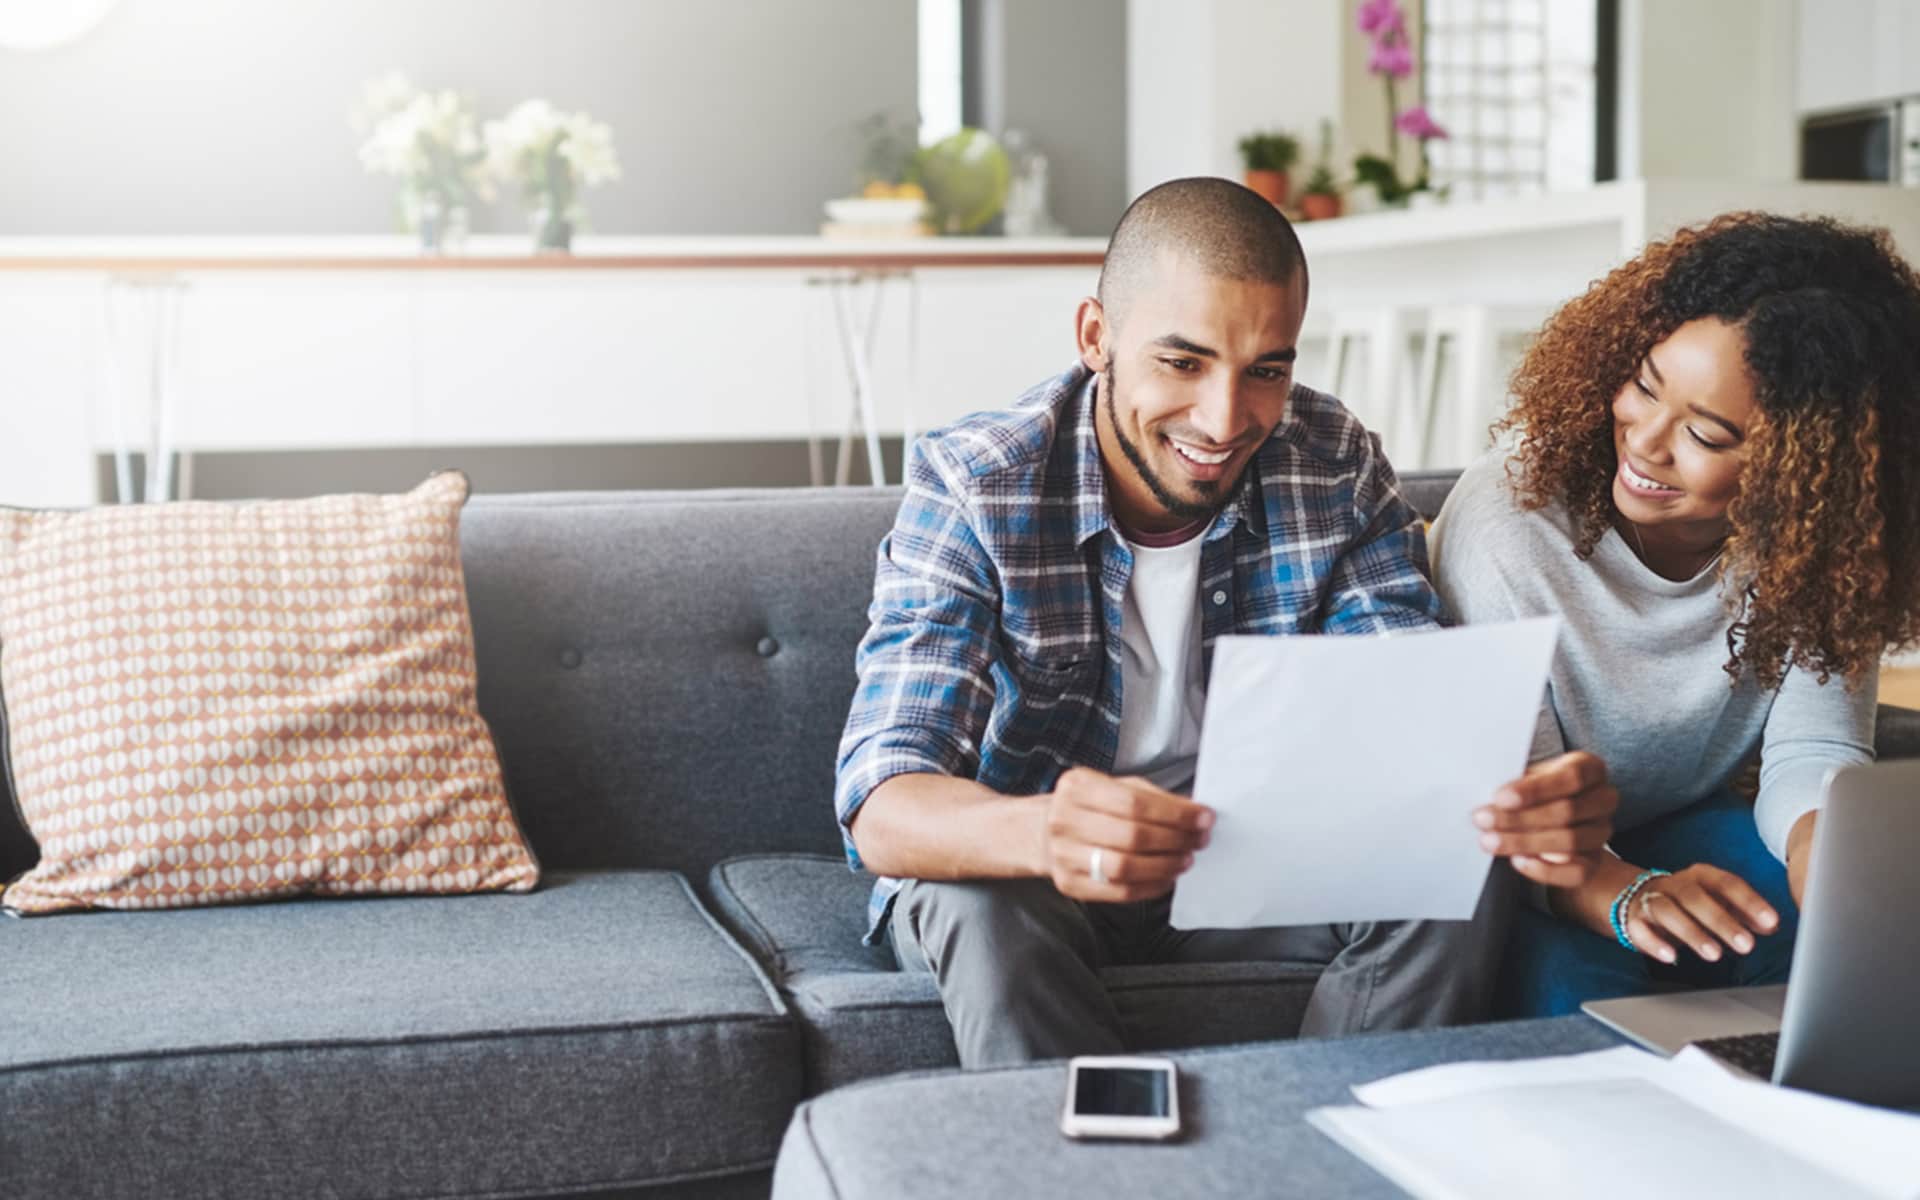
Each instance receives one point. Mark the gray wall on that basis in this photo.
(231, 116)
(1058, 70)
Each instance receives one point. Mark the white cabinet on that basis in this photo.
(271, 358)
(513, 358)
(52, 328)
(1854, 52)
(1896, 62)
(679, 356)
(315, 360)
(986, 336)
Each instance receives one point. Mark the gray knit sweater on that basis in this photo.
(1637, 678)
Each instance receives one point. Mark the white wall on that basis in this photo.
(1170, 122)
(1063, 82)
(1203, 73)
(1277, 65)
(231, 116)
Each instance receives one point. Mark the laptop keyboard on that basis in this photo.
(1751, 1052)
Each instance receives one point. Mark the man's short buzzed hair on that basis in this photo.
(1226, 229)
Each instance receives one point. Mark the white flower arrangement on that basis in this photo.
(552, 155)
(447, 160)
(429, 140)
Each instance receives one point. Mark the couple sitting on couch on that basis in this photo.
(1714, 485)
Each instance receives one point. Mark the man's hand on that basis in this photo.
(1138, 836)
(1554, 821)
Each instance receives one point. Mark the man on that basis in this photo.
(1044, 610)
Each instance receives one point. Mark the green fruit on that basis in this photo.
(966, 180)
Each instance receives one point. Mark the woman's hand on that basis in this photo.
(1554, 821)
(1701, 908)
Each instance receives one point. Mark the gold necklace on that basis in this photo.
(1719, 548)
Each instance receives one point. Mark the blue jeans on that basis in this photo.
(1552, 965)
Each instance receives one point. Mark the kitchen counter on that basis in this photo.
(498, 252)
(346, 342)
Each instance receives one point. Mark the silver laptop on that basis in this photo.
(1849, 1023)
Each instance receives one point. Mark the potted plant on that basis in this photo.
(1320, 199)
(1267, 158)
(1377, 176)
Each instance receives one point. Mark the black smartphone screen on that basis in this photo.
(1120, 1092)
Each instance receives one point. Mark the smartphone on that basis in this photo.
(1121, 1098)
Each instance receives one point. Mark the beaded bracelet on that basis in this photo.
(1616, 916)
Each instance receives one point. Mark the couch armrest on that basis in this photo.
(1896, 732)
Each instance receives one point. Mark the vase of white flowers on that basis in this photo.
(553, 156)
(431, 142)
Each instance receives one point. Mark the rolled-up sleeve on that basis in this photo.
(1811, 729)
(925, 689)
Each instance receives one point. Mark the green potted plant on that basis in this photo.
(1320, 199)
(1377, 176)
(1267, 158)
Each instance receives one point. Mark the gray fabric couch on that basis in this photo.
(666, 676)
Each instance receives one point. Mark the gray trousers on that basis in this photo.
(1018, 964)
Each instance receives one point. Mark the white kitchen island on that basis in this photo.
(341, 343)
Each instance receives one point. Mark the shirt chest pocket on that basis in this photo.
(1043, 702)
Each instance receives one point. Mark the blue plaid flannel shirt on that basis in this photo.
(993, 649)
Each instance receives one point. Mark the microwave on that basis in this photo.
(1880, 143)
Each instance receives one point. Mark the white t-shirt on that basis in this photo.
(1163, 689)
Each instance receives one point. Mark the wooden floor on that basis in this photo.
(1900, 686)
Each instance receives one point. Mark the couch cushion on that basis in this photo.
(1426, 491)
(217, 703)
(667, 674)
(1896, 732)
(580, 1036)
(802, 917)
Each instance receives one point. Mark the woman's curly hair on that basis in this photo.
(1823, 561)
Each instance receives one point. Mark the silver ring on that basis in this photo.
(1093, 867)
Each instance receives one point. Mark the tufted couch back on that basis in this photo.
(667, 673)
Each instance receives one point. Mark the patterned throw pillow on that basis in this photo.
(210, 703)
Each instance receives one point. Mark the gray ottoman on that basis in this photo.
(996, 1133)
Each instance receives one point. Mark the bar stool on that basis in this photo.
(857, 326)
(1452, 427)
(144, 374)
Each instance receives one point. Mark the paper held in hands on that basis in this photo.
(1345, 772)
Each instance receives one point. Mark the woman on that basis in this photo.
(1717, 485)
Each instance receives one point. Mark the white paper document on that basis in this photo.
(1621, 1122)
(1345, 772)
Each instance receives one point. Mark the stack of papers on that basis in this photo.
(1621, 1122)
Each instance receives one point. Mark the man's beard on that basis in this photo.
(1186, 510)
